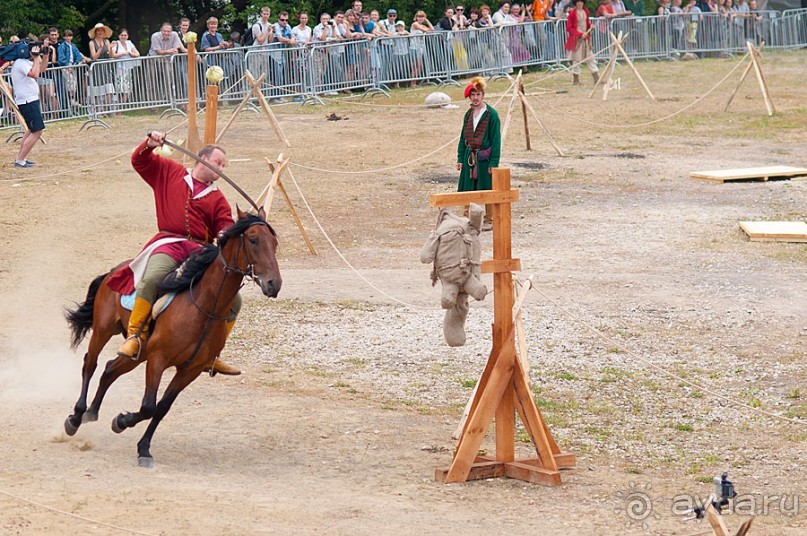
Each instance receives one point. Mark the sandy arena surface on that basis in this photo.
(349, 395)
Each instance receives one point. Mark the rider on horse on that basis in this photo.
(191, 211)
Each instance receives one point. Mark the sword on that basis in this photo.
(213, 168)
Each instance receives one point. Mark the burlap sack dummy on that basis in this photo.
(454, 249)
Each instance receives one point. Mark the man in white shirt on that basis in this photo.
(24, 74)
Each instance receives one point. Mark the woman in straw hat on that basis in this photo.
(100, 85)
(480, 141)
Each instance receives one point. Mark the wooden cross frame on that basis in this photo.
(518, 93)
(255, 91)
(267, 195)
(754, 54)
(504, 386)
(608, 72)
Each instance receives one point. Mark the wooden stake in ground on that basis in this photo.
(503, 387)
(524, 114)
(265, 199)
(192, 141)
(255, 91)
(754, 55)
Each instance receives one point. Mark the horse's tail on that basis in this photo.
(80, 319)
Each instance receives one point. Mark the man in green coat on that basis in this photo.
(480, 142)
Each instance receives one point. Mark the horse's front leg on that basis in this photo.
(73, 421)
(154, 373)
(181, 380)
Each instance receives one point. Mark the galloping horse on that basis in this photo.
(188, 334)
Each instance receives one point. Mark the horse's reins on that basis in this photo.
(248, 273)
(213, 168)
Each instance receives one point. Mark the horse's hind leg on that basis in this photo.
(115, 368)
(181, 380)
(98, 340)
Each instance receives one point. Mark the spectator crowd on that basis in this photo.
(73, 81)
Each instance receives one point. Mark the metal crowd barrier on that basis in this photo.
(110, 87)
(793, 28)
(343, 66)
(286, 70)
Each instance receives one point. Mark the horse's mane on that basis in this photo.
(193, 267)
(197, 263)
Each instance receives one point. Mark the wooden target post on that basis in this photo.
(211, 113)
(504, 386)
(192, 142)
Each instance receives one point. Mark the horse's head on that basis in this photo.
(249, 247)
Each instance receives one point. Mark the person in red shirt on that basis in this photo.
(191, 211)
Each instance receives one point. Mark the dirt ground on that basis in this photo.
(349, 398)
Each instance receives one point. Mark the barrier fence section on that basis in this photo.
(341, 66)
(107, 87)
(794, 28)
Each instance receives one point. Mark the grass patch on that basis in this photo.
(684, 427)
(565, 376)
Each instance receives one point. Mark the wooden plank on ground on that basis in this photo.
(775, 231)
(744, 174)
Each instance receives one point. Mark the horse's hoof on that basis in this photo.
(89, 416)
(145, 461)
(116, 427)
(69, 428)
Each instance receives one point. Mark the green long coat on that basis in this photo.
(492, 140)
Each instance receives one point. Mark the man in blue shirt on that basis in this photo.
(283, 39)
(212, 41)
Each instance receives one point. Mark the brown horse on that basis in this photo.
(188, 334)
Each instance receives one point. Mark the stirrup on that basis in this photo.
(135, 357)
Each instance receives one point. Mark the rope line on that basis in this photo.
(341, 256)
(396, 166)
(87, 166)
(70, 514)
(453, 140)
(661, 369)
(668, 116)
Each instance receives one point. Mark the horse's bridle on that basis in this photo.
(249, 273)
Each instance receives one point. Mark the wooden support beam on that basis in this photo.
(270, 115)
(740, 83)
(510, 106)
(524, 113)
(482, 415)
(618, 45)
(605, 77)
(497, 266)
(763, 84)
(192, 141)
(253, 85)
(481, 197)
(267, 195)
